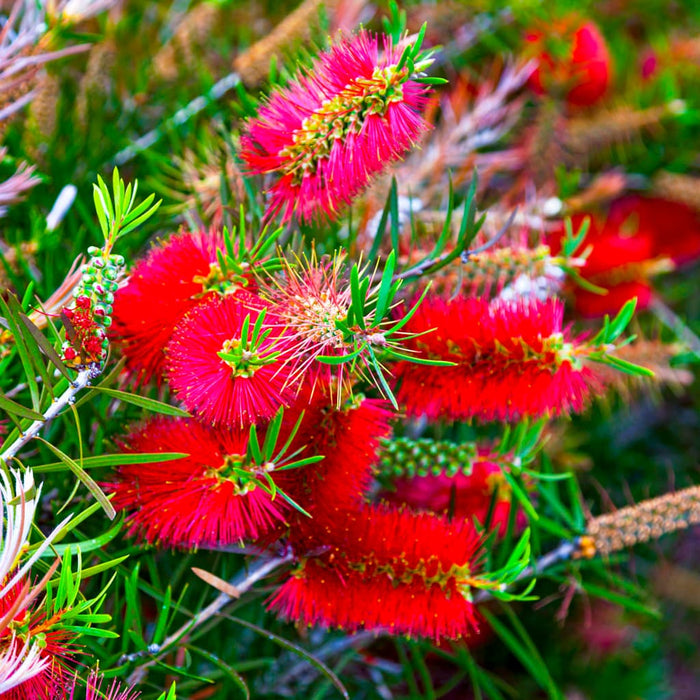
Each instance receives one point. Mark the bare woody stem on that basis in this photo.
(83, 380)
(241, 583)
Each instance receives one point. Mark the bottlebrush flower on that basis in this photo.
(348, 438)
(308, 300)
(39, 664)
(512, 360)
(226, 362)
(388, 569)
(325, 136)
(173, 278)
(200, 500)
(94, 690)
(573, 61)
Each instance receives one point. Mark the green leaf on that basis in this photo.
(143, 402)
(17, 409)
(45, 346)
(295, 649)
(116, 460)
(384, 296)
(83, 476)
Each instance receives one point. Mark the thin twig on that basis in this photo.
(562, 553)
(197, 105)
(241, 583)
(83, 380)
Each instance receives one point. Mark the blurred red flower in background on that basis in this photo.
(639, 238)
(574, 61)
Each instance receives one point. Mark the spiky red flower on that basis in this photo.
(573, 61)
(220, 371)
(461, 495)
(512, 359)
(331, 130)
(200, 500)
(163, 286)
(348, 438)
(404, 572)
(55, 645)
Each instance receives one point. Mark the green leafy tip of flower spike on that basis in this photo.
(244, 355)
(241, 257)
(497, 582)
(603, 343)
(255, 468)
(116, 212)
(369, 333)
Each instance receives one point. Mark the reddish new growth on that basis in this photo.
(206, 499)
(388, 569)
(162, 287)
(333, 129)
(220, 371)
(56, 645)
(512, 360)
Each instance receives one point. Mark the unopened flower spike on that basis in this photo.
(332, 129)
(88, 318)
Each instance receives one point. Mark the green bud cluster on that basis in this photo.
(402, 457)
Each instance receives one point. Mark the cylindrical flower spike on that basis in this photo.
(348, 438)
(163, 286)
(332, 130)
(388, 569)
(512, 360)
(44, 643)
(226, 362)
(200, 500)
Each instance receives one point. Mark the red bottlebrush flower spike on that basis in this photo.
(54, 645)
(332, 130)
(348, 438)
(163, 286)
(388, 569)
(512, 360)
(573, 60)
(200, 500)
(226, 362)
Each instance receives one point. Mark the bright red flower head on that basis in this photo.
(512, 360)
(173, 277)
(333, 129)
(348, 438)
(200, 500)
(639, 238)
(388, 569)
(573, 59)
(221, 370)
